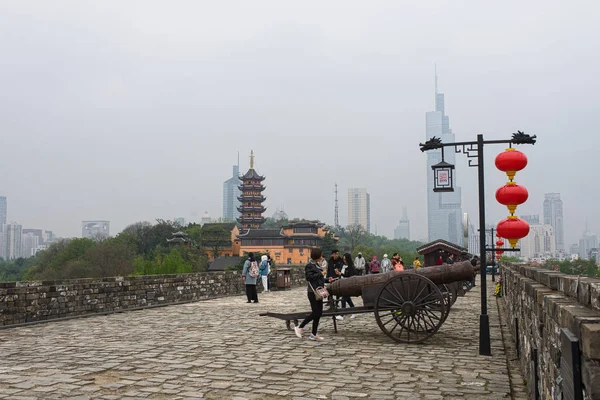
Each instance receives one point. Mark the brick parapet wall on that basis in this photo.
(25, 302)
(539, 303)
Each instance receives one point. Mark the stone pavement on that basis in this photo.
(222, 349)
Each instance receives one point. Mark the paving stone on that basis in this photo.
(222, 349)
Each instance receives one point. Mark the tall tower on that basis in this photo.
(553, 215)
(359, 208)
(231, 192)
(402, 231)
(251, 199)
(336, 218)
(444, 209)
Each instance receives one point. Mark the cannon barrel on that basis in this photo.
(439, 274)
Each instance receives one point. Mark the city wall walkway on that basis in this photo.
(222, 349)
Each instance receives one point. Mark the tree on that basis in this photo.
(356, 235)
(215, 238)
(327, 245)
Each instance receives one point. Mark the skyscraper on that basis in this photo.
(29, 243)
(231, 192)
(403, 229)
(12, 237)
(444, 209)
(3, 210)
(553, 215)
(359, 208)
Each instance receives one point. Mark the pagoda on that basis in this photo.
(251, 208)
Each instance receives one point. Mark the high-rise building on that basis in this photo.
(359, 208)
(29, 244)
(403, 229)
(540, 243)
(95, 230)
(12, 241)
(3, 210)
(231, 192)
(444, 209)
(587, 242)
(36, 232)
(533, 219)
(553, 215)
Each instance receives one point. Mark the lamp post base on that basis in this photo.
(485, 348)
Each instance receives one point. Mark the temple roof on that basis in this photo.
(441, 244)
(252, 174)
(262, 234)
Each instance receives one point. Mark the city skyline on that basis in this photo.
(348, 90)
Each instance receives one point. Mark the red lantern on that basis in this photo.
(510, 162)
(499, 252)
(498, 257)
(512, 195)
(499, 242)
(513, 229)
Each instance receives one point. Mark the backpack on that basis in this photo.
(253, 270)
(375, 266)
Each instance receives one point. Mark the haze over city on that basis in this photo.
(132, 111)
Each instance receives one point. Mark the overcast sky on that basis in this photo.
(135, 110)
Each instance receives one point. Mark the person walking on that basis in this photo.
(439, 261)
(375, 266)
(265, 269)
(360, 263)
(251, 273)
(347, 271)
(417, 263)
(315, 277)
(450, 259)
(386, 264)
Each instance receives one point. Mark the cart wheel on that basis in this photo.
(454, 290)
(447, 294)
(288, 325)
(410, 308)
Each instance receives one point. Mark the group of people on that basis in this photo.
(318, 271)
(254, 274)
(363, 266)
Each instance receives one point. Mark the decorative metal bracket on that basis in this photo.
(470, 150)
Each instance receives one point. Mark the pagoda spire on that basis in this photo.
(251, 159)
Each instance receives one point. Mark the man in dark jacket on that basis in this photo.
(335, 262)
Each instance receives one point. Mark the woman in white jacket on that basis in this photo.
(264, 270)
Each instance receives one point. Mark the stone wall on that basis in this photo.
(26, 302)
(538, 303)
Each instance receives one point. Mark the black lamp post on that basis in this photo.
(443, 182)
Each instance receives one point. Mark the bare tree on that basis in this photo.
(356, 235)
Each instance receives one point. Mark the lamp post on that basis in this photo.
(444, 177)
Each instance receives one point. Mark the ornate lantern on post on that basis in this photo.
(443, 176)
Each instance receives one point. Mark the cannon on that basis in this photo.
(409, 306)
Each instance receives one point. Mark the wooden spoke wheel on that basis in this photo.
(410, 308)
(448, 297)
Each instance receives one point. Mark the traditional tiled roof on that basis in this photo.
(221, 263)
(441, 244)
(261, 234)
(252, 174)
